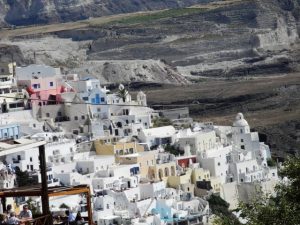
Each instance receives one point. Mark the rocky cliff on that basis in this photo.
(218, 39)
(28, 12)
(242, 38)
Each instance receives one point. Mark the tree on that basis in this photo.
(161, 121)
(282, 208)
(220, 208)
(173, 150)
(122, 92)
(24, 179)
(271, 162)
(34, 209)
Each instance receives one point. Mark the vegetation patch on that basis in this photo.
(146, 18)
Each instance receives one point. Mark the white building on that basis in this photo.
(200, 141)
(157, 136)
(31, 71)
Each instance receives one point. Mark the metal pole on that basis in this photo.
(44, 196)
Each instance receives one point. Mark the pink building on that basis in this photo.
(43, 83)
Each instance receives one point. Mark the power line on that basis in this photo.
(88, 103)
(112, 104)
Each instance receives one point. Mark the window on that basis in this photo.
(243, 147)
(242, 180)
(31, 167)
(219, 163)
(71, 149)
(36, 86)
(82, 117)
(51, 84)
(75, 117)
(241, 130)
(98, 109)
(85, 98)
(102, 99)
(30, 159)
(19, 157)
(242, 140)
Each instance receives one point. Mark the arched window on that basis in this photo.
(166, 172)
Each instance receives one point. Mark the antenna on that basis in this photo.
(12, 63)
(34, 57)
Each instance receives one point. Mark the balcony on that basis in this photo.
(16, 161)
(61, 119)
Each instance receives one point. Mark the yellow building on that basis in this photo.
(144, 159)
(7, 68)
(200, 174)
(118, 148)
(176, 181)
(162, 171)
(215, 182)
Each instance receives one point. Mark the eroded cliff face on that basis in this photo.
(28, 12)
(226, 38)
(243, 38)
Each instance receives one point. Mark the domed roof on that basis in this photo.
(140, 93)
(240, 121)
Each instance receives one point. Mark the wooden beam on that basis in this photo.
(89, 207)
(52, 192)
(69, 192)
(19, 194)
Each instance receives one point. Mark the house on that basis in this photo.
(117, 177)
(12, 98)
(10, 131)
(165, 166)
(118, 148)
(7, 177)
(72, 118)
(186, 161)
(182, 180)
(157, 136)
(129, 120)
(144, 159)
(43, 83)
(89, 90)
(199, 141)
